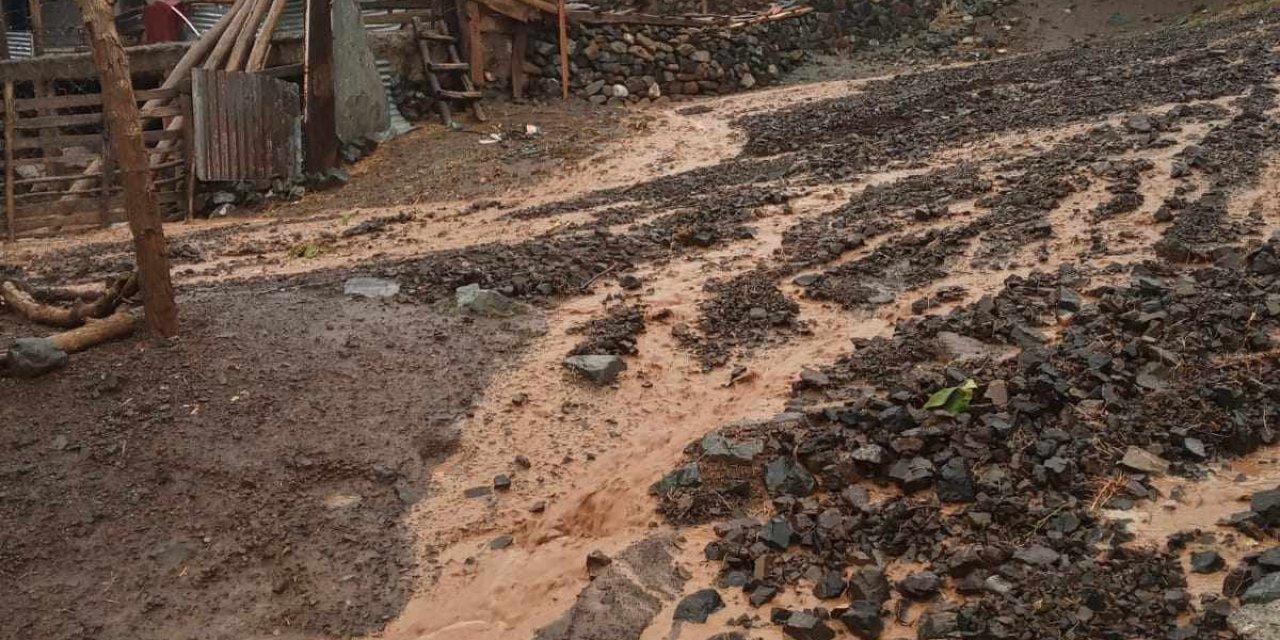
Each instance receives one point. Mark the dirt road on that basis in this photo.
(1086, 233)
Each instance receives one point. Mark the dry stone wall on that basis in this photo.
(642, 63)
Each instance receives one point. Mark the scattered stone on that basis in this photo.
(596, 561)
(912, 474)
(1143, 461)
(486, 302)
(920, 585)
(784, 476)
(34, 357)
(1266, 507)
(830, 585)
(686, 476)
(1038, 555)
(1207, 562)
(599, 369)
(500, 542)
(501, 482)
(870, 584)
(776, 533)
(762, 594)
(936, 624)
(716, 446)
(698, 606)
(1265, 589)
(370, 287)
(863, 620)
(955, 484)
(806, 626)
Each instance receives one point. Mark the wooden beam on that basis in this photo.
(121, 106)
(37, 27)
(151, 58)
(320, 128)
(519, 49)
(562, 19)
(593, 17)
(475, 41)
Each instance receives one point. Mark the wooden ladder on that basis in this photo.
(452, 64)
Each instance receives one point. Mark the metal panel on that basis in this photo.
(244, 126)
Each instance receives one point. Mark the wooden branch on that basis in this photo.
(117, 325)
(562, 18)
(21, 301)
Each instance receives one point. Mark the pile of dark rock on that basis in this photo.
(644, 63)
(997, 448)
(614, 334)
(741, 313)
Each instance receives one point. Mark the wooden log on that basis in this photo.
(240, 52)
(121, 107)
(262, 45)
(21, 300)
(225, 43)
(94, 332)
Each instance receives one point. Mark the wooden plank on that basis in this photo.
(10, 114)
(76, 119)
(541, 5)
(88, 99)
(189, 153)
(82, 211)
(398, 18)
(155, 168)
(592, 17)
(395, 4)
(283, 71)
(461, 95)
(91, 140)
(319, 123)
(150, 58)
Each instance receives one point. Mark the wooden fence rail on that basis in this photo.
(58, 167)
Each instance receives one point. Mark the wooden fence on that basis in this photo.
(58, 167)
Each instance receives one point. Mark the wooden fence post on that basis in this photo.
(189, 151)
(320, 122)
(10, 114)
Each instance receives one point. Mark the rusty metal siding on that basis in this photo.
(245, 126)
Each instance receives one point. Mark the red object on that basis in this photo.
(162, 22)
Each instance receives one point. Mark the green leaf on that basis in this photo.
(952, 400)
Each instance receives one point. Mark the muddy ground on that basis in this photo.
(803, 268)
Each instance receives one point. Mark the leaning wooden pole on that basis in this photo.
(120, 111)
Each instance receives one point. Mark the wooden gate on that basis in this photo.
(246, 126)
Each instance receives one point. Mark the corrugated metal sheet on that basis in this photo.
(245, 126)
(19, 44)
(204, 16)
(399, 126)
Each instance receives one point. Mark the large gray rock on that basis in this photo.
(1257, 621)
(360, 100)
(486, 302)
(1265, 590)
(34, 357)
(1143, 461)
(600, 369)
